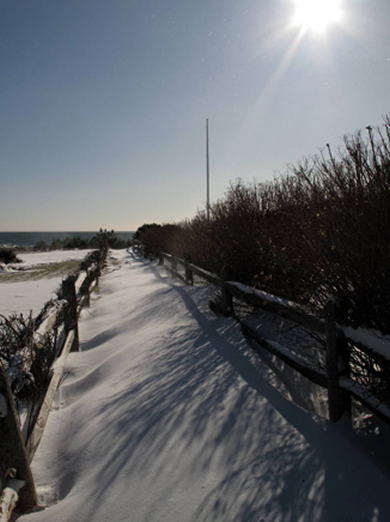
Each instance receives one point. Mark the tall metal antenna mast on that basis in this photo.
(208, 170)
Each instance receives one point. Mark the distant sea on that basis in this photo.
(27, 239)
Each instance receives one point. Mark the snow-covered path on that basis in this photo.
(166, 415)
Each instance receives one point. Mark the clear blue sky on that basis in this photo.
(103, 102)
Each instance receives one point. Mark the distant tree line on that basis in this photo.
(103, 237)
(322, 228)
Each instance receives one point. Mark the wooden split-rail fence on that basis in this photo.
(16, 452)
(17, 449)
(338, 375)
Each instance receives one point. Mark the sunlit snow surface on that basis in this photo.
(167, 415)
(30, 288)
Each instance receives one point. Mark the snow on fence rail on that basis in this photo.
(18, 446)
(357, 361)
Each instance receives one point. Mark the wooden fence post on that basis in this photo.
(102, 257)
(85, 290)
(98, 273)
(335, 402)
(344, 360)
(227, 298)
(174, 265)
(160, 258)
(13, 453)
(188, 271)
(71, 316)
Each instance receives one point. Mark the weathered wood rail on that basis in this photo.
(17, 450)
(336, 377)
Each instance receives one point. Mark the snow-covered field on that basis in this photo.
(167, 414)
(33, 259)
(41, 274)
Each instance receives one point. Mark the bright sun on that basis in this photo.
(316, 15)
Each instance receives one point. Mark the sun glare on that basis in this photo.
(317, 15)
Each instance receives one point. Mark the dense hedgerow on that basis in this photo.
(322, 228)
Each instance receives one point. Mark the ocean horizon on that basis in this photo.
(28, 239)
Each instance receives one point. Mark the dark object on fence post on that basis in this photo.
(188, 271)
(13, 453)
(227, 298)
(335, 402)
(71, 316)
(160, 258)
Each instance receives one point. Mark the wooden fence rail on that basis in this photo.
(336, 377)
(16, 450)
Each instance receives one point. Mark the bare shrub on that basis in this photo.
(27, 359)
(8, 255)
(322, 228)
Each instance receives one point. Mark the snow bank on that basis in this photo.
(21, 297)
(9, 498)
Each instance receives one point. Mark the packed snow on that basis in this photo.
(167, 414)
(29, 285)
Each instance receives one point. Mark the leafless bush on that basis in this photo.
(372, 375)
(27, 359)
(322, 228)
